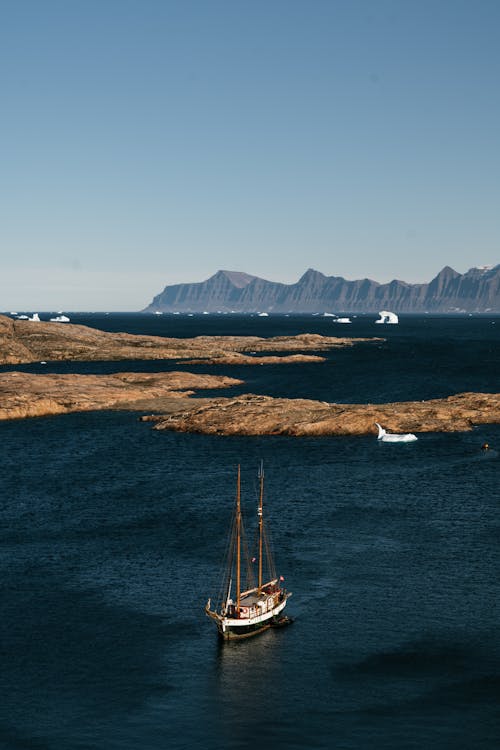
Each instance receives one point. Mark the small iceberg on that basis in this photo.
(60, 319)
(22, 317)
(387, 317)
(328, 315)
(342, 320)
(263, 315)
(390, 437)
(34, 318)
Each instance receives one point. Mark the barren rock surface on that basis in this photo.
(31, 395)
(235, 358)
(263, 415)
(23, 341)
(28, 395)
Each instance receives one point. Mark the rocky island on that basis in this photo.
(262, 415)
(32, 395)
(169, 394)
(23, 341)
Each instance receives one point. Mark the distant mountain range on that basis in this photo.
(478, 290)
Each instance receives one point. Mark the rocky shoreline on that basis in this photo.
(262, 415)
(22, 342)
(29, 395)
(167, 394)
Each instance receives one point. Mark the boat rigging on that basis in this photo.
(257, 607)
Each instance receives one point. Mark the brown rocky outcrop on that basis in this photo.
(29, 395)
(167, 394)
(23, 341)
(263, 415)
(235, 358)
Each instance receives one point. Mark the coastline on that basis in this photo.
(168, 395)
(164, 398)
(24, 342)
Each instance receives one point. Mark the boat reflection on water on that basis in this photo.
(247, 680)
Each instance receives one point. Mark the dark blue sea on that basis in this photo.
(112, 536)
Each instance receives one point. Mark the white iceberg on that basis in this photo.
(60, 319)
(387, 317)
(342, 320)
(34, 318)
(390, 437)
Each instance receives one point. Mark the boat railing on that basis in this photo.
(255, 610)
(269, 585)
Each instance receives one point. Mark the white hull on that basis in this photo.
(245, 613)
(227, 622)
(244, 627)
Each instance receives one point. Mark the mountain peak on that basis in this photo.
(447, 272)
(239, 279)
(310, 274)
(449, 291)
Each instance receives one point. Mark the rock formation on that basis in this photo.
(263, 415)
(22, 341)
(29, 395)
(478, 290)
(168, 394)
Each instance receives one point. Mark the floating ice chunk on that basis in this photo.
(390, 437)
(60, 319)
(387, 317)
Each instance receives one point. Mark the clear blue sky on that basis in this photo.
(149, 142)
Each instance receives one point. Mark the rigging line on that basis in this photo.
(226, 566)
(270, 558)
(250, 576)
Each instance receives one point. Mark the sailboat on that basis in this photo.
(245, 610)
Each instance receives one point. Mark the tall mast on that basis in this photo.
(261, 520)
(238, 542)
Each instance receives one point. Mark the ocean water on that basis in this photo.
(112, 535)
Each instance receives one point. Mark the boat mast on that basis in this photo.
(238, 542)
(261, 520)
